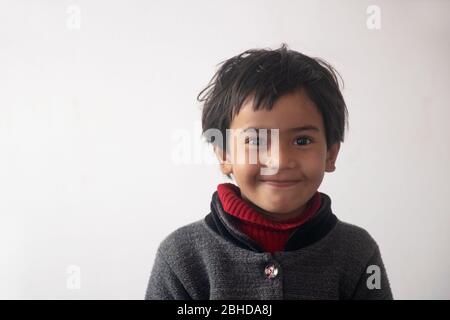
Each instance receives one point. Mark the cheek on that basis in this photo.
(314, 162)
(314, 170)
(246, 173)
(245, 169)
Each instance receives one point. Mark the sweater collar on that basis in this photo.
(233, 204)
(311, 231)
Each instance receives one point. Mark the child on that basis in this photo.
(272, 235)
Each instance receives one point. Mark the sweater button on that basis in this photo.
(271, 271)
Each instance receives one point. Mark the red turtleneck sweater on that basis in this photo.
(270, 235)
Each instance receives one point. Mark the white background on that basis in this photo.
(87, 117)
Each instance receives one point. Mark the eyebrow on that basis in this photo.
(296, 129)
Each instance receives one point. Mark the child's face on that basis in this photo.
(302, 156)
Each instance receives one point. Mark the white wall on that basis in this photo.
(87, 116)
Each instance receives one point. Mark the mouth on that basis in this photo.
(281, 184)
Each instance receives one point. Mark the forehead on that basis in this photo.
(289, 111)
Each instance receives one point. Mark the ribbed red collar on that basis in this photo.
(271, 235)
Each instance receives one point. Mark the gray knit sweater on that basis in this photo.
(325, 258)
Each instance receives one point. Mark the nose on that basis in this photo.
(281, 158)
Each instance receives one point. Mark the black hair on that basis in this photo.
(267, 75)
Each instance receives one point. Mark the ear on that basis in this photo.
(332, 154)
(225, 165)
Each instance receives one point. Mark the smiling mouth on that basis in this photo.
(281, 184)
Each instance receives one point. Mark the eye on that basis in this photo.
(302, 140)
(254, 141)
